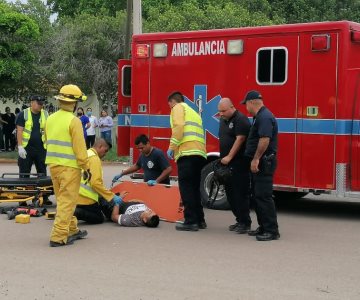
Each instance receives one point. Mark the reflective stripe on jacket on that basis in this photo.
(192, 132)
(86, 189)
(29, 125)
(59, 143)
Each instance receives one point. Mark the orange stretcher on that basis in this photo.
(163, 199)
(34, 188)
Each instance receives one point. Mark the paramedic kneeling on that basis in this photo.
(261, 148)
(133, 214)
(89, 205)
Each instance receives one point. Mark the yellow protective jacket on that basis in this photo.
(65, 141)
(29, 126)
(89, 193)
(188, 136)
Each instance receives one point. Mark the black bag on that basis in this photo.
(221, 175)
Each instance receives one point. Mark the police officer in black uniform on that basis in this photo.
(233, 131)
(261, 148)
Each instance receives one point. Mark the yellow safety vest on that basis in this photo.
(59, 144)
(86, 189)
(193, 131)
(29, 125)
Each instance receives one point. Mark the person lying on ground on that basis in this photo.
(133, 213)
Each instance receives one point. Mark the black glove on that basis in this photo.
(86, 176)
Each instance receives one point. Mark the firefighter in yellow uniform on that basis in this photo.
(187, 146)
(66, 156)
(90, 207)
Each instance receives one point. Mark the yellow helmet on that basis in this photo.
(70, 93)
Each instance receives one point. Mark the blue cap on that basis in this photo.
(252, 95)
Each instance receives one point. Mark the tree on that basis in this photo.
(196, 15)
(37, 79)
(85, 51)
(17, 32)
(70, 8)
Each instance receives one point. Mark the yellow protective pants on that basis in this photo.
(66, 181)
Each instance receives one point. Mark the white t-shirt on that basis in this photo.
(132, 215)
(93, 123)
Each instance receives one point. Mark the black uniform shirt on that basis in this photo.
(153, 165)
(35, 141)
(264, 125)
(237, 125)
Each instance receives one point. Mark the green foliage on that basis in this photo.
(303, 11)
(17, 33)
(196, 15)
(112, 155)
(70, 8)
(85, 51)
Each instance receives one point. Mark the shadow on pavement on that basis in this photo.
(321, 208)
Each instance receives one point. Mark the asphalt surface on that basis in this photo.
(317, 257)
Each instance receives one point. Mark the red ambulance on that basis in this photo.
(308, 75)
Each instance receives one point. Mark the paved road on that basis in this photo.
(318, 257)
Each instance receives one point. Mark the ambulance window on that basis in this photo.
(271, 66)
(126, 81)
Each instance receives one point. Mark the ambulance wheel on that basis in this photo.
(220, 202)
(288, 196)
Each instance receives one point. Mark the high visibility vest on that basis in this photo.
(193, 131)
(29, 126)
(59, 143)
(86, 189)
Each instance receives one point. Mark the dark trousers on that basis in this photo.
(237, 193)
(90, 140)
(1, 139)
(9, 141)
(36, 157)
(264, 203)
(89, 213)
(189, 174)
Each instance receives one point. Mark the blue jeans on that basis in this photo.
(106, 135)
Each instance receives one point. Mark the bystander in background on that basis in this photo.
(105, 125)
(90, 132)
(8, 128)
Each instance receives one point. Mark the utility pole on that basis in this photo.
(134, 17)
(137, 17)
(128, 29)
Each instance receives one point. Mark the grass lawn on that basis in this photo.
(110, 156)
(9, 155)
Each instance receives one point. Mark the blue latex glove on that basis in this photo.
(151, 182)
(117, 177)
(117, 200)
(170, 154)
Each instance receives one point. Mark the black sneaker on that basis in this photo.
(255, 232)
(77, 236)
(57, 244)
(233, 226)
(187, 227)
(242, 228)
(202, 225)
(268, 236)
(47, 202)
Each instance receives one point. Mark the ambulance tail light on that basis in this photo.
(355, 36)
(235, 47)
(320, 42)
(160, 50)
(142, 51)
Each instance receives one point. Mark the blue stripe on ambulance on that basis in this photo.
(302, 126)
